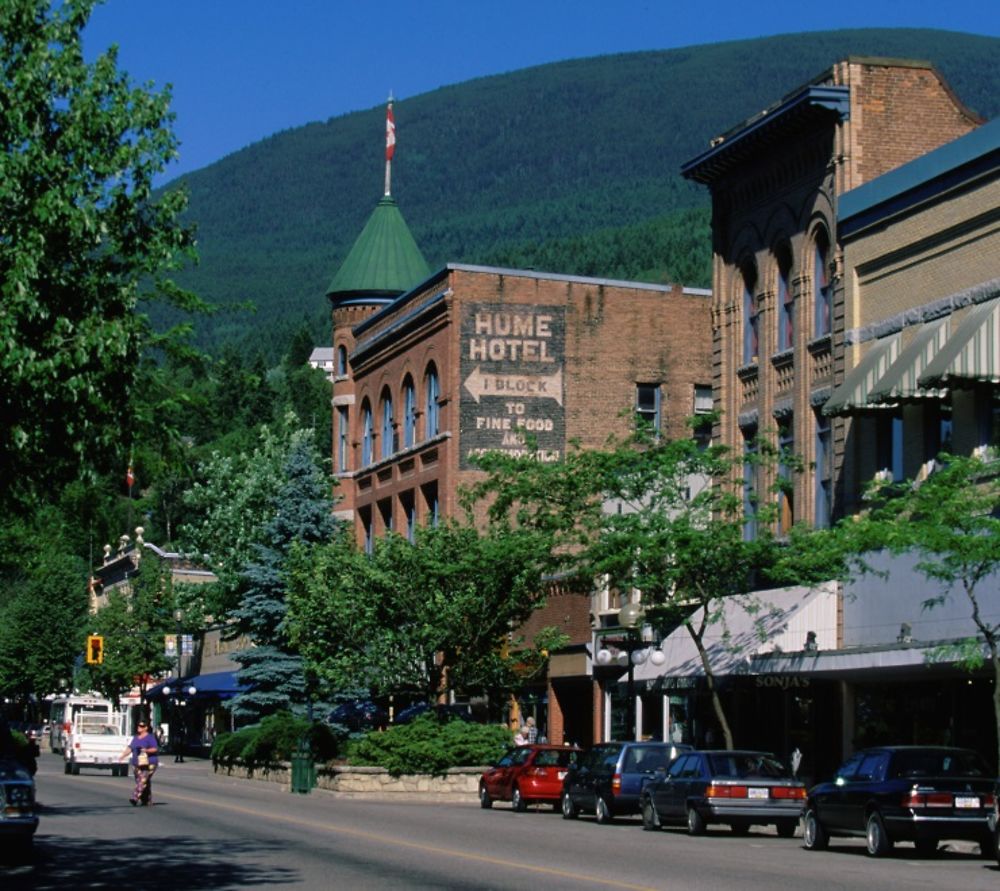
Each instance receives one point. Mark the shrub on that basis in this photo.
(273, 740)
(428, 745)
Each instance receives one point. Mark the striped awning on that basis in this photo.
(900, 382)
(972, 353)
(853, 393)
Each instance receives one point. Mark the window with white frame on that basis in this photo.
(388, 426)
(703, 407)
(367, 435)
(409, 413)
(342, 439)
(647, 407)
(432, 391)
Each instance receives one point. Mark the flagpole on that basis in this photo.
(390, 145)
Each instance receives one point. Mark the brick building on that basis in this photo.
(473, 359)
(775, 182)
(855, 321)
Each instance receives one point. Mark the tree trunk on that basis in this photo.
(720, 713)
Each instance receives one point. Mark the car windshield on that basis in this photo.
(943, 763)
(741, 765)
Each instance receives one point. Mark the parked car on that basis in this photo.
(18, 820)
(358, 715)
(993, 820)
(919, 794)
(736, 787)
(526, 775)
(610, 776)
(444, 712)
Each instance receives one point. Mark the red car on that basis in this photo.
(527, 775)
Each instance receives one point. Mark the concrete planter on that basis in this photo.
(459, 784)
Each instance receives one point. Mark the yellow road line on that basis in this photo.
(400, 843)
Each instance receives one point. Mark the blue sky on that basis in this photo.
(244, 69)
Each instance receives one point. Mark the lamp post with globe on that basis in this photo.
(634, 642)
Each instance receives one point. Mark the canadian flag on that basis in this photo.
(129, 477)
(390, 134)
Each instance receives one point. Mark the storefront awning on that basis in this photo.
(771, 621)
(900, 382)
(155, 692)
(972, 353)
(853, 393)
(218, 685)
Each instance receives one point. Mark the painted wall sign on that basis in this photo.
(512, 370)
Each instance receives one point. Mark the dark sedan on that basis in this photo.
(919, 794)
(740, 788)
(527, 775)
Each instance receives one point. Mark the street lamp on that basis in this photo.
(634, 648)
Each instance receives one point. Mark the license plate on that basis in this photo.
(753, 792)
(966, 801)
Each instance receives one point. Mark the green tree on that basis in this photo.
(43, 605)
(663, 519)
(302, 514)
(227, 509)
(83, 239)
(951, 520)
(134, 623)
(421, 618)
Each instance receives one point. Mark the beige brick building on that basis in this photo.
(775, 182)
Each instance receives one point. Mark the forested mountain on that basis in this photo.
(571, 167)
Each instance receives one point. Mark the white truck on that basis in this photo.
(96, 740)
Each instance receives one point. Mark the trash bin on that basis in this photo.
(303, 769)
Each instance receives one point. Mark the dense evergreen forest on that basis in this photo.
(570, 167)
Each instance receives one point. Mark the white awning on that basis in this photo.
(775, 621)
(972, 353)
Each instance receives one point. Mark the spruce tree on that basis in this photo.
(271, 669)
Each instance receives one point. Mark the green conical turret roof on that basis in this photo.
(384, 261)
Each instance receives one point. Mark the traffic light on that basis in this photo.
(95, 649)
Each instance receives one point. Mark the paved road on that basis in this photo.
(209, 832)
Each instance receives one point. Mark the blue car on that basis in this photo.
(918, 794)
(359, 715)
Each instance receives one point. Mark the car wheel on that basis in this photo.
(485, 801)
(75, 769)
(879, 844)
(786, 828)
(814, 836)
(602, 811)
(926, 847)
(67, 767)
(517, 802)
(569, 810)
(696, 823)
(650, 819)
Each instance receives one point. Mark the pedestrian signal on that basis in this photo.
(95, 649)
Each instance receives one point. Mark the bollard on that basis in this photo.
(303, 769)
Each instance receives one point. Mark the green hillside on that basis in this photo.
(570, 166)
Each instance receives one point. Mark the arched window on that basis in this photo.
(367, 434)
(822, 290)
(409, 413)
(751, 334)
(431, 426)
(341, 361)
(388, 433)
(786, 306)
